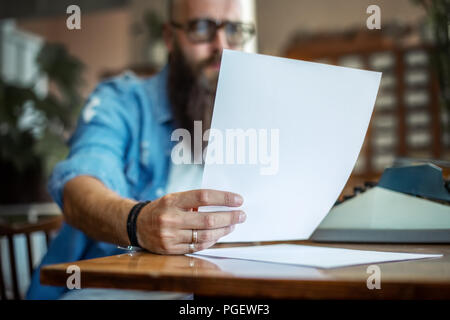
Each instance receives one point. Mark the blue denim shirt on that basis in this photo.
(122, 139)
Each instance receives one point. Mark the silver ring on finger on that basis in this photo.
(192, 247)
(194, 236)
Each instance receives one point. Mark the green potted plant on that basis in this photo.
(32, 126)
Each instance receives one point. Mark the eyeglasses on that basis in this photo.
(205, 30)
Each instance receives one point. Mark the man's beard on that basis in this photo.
(191, 94)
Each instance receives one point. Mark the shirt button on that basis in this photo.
(159, 192)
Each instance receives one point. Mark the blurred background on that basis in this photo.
(47, 71)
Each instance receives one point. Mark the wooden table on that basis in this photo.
(417, 279)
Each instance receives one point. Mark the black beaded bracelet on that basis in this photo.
(131, 222)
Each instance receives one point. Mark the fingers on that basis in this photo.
(206, 197)
(210, 220)
(185, 236)
(167, 226)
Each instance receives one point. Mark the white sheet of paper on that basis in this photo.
(311, 256)
(322, 113)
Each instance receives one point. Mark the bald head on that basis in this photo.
(194, 9)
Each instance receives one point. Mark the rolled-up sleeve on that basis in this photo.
(99, 145)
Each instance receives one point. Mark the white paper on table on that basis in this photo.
(322, 113)
(311, 256)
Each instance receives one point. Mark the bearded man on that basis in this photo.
(117, 186)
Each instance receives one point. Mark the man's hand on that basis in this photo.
(165, 225)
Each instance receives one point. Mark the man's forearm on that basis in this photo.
(96, 210)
